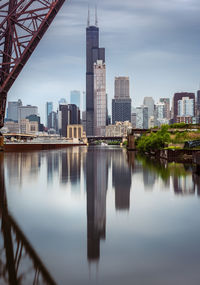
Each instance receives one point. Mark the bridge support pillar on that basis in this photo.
(1, 142)
(131, 142)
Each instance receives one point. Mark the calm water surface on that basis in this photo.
(98, 215)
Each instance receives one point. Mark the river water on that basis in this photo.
(98, 215)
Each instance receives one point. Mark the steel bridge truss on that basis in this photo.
(22, 25)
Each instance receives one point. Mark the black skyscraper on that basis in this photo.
(93, 53)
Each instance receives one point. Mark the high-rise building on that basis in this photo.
(142, 118)
(186, 107)
(63, 119)
(166, 102)
(149, 102)
(159, 114)
(75, 98)
(25, 111)
(121, 110)
(180, 96)
(159, 110)
(49, 109)
(122, 87)
(12, 111)
(100, 98)
(53, 121)
(121, 104)
(74, 114)
(198, 107)
(62, 101)
(133, 119)
(67, 115)
(93, 53)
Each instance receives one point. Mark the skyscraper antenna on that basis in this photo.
(88, 20)
(96, 16)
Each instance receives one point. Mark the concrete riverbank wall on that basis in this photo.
(14, 147)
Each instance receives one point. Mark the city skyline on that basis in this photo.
(147, 61)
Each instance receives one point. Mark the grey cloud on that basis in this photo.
(152, 41)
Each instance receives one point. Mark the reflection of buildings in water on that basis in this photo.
(52, 165)
(22, 165)
(64, 167)
(149, 179)
(75, 166)
(71, 166)
(131, 159)
(196, 180)
(121, 175)
(97, 180)
(19, 262)
(184, 185)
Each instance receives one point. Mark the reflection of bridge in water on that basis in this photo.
(19, 263)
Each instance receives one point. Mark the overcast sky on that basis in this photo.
(154, 42)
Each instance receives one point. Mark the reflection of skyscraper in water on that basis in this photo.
(149, 178)
(64, 168)
(21, 166)
(97, 180)
(19, 261)
(52, 165)
(196, 181)
(70, 166)
(121, 175)
(131, 159)
(183, 185)
(75, 166)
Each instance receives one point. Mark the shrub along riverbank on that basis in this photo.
(163, 138)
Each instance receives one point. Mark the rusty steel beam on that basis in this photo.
(22, 25)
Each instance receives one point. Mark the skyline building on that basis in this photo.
(49, 109)
(159, 114)
(186, 107)
(25, 111)
(176, 98)
(121, 104)
(12, 111)
(75, 98)
(53, 121)
(149, 102)
(74, 114)
(142, 118)
(68, 114)
(62, 101)
(100, 98)
(93, 53)
(122, 87)
(166, 101)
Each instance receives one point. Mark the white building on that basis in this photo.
(25, 111)
(12, 111)
(12, 127)
(142, 117)
(139, 118)
(159, 114)
(28, 127)
(186, 107)
(149, 102)
(100, 102)
(118, 130)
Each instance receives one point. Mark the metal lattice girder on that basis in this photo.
(22, 25)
